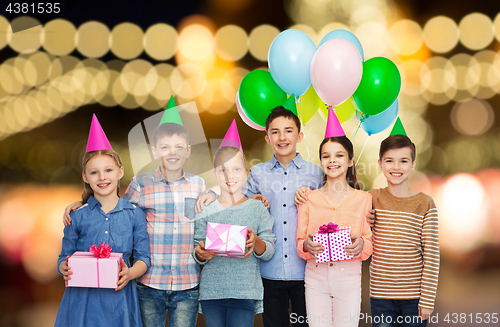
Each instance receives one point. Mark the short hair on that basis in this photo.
(397, 142)
(169, 129)
(282, 112)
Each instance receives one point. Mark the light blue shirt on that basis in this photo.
(278, 185)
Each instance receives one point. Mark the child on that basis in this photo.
(403, 283)
(231, 290)
(277, 180)
(114, 220)
(333, 289)
(168, 196)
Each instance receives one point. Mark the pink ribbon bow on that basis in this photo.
(330, 228)
(103, 251)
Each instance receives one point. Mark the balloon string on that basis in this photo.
(356, 131)
(363, 149)
(305, 134)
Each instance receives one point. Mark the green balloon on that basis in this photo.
(379, 86)
(259, 94)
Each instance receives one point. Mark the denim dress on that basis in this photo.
(124, 229)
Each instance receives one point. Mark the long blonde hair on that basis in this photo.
(87, 190)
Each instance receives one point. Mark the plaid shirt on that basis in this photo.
(169, 209)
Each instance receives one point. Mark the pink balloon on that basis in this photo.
(336, 71)
(244, 117)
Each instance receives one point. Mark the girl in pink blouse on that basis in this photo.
(333, 289)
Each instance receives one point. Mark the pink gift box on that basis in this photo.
(334, 244)
(89, 271)
(226, 239)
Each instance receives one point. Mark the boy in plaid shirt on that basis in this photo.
(167, 197)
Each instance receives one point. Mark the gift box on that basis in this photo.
(226, 239)
(334, 239)
(97, 268)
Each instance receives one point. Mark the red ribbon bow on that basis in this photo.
(330, 228)
(103, 251)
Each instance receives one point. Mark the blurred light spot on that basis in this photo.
(160, 41)
(367, 12)
(21, 112)
(41, 63)
(441, 34)
(374, 38)
(139, 77)
(476, 31)
(93, 39)
(308, 30)
(405, 37)
(261, 38)
(462, 197)
(118, 91)
(473, 117)
(4, 26)
(496, 27)
(108, 99)
(438, 74)
(59, 37)
(188, 80)
(27, 70)
(127, 41)
(196, 42)
(231, 43)
(11, 78)
(162, 90)
(17, 219)
(410, 77)
(26, 41)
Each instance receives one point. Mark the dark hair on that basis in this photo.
(352, 177)
(87, 190)
(282, 112)
(225, 153)
(397, 142)
(169, 129)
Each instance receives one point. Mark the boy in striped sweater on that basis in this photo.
(405, 262)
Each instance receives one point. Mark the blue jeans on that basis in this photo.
(394, 313)
(182, 306)
(228, 312)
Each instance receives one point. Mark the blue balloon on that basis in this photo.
(345, 35)
(377, 123)
(289, 58)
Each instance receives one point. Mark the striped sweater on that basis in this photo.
(405, 261)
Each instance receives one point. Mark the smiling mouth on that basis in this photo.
(396, 174)
(172, 160)
(230, 184)
(333, 167)
(283, 145)
(103, 185)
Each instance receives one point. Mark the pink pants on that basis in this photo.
(333, 293)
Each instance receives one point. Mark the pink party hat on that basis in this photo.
(333, 127)
(97, 139)
(232, 137)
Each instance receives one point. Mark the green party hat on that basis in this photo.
(398, 128)
(171, 114)
(290, 104)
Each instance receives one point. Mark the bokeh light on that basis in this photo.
(93, 39)
(59, 37)
(231, 43)
(441, 34)
(260, 40)
(374, 38)
(196, 42)
(472, 117)
(4, 26)
(127, 41)
(160, 41)
(476, 31)
(405, 37)
(25, 41)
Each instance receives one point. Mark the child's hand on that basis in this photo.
(301, 195)
(66, 270)
(250, 242)
(204, 199)
(355, 248)
(261, 198)
(125, 276)
(202, 254)
(71, 207)
(371, 217)
(424, 313)
(312, 247)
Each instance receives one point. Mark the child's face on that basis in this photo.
(283, 135)
(231, 175)
(335, 160)
(171, 151)
(396, 165)
(102, 174)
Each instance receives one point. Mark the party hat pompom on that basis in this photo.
(97, 139)
(232, 137)
(398, 128)
(171, 114)
(333, 127)
(290, 104)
